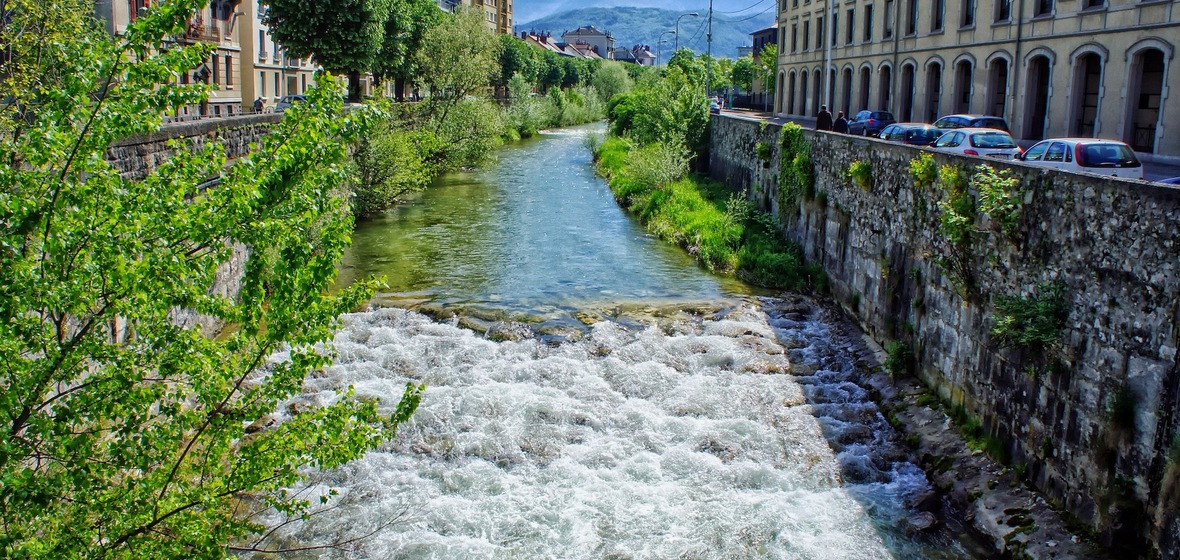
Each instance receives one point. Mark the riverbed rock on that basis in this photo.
(920, 522)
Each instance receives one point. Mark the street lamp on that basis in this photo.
(677, 32)
(660, 42)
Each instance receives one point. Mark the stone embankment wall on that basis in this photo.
(1095, 419)
(135, 158)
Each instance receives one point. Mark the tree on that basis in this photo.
(611, 79)
(692, 67)
(720, 77)
(460, 57)
(742, 74)
(404, 37)
(124, 430)
(551, 73)
(516, 58)
(343, 36)
(767, 66)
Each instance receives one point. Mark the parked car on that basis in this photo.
(714, 108)
(870, 123)
(914, 134)
(971, 121)
(987, 142)
(1092, 155)
(287, 101)
(1172, 181)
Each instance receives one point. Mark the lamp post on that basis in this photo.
(661, 42)
(677, 32)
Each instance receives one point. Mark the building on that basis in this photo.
(745, 51)
(268, 73)
(759, 96)
(589, 38)
(1051, 67)
(498, 13)
(638, 54)
(220, 24)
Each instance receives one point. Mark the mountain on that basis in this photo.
(528, 10)
(644, 26)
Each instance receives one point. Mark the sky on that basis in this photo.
(524, 11)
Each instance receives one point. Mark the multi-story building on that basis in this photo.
(497, 12)
(761, 38)
(589, 38)
(1051, 67)
(268, 72)
(218, 23)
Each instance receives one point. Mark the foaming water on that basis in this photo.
(685, 439)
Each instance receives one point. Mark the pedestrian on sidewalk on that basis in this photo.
(823, 121)
(841, 124)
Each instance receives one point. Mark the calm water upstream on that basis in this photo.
(693, 419)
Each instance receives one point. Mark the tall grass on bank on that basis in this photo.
(719, 227)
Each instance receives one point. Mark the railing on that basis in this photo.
(1144, 139)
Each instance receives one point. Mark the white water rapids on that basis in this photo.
(739, 434)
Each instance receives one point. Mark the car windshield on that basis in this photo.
(992, 140)
(1107, 155)
(883, 116)
(923, 134)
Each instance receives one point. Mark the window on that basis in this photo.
(911, 17)
(261, 44)
(1056, 152)
(1035, 153)
(819, 32)
(1003, 10)
(806, 34)
(888, 19)
(1043, 8)
(850, 26)
(278, 89)
(1090, 4)
(135, 7)
(869, 23)
(939, 9)
(262, 84)
(794, 3)
(216, 74)
(835, 28)
(968, 13)
(794, 37)
(229, 69)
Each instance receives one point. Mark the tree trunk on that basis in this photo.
(399, 85)
(354, 87)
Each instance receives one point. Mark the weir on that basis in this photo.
(1093, 418)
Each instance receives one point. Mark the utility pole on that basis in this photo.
(709, 51)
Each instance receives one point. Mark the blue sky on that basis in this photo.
(528, 10)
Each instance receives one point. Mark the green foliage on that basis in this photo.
(460, 57)
(1033, 323)
(957, 224)
(690, 66)
(764, 151)
(611, 79)
(125, 425)
(742, 73)
(900, 357)
(404, 38)
(468, 132)
(999, 197)
(343, 36)
(767, 64)
(721, 229)
(517, 58)
(391, 162)
(923, 171)
(666, 109)
(796, 172)
(860, 173)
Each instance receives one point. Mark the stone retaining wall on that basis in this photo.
(136, 157)
(1113, 244)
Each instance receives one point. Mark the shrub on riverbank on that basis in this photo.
(720, 228)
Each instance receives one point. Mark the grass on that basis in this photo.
(702, 215)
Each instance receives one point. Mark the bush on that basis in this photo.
(471, 130)
(923, 170)
(1033, 322)
(860, 173)
(390, 163)
(900, 357)
(999, 197)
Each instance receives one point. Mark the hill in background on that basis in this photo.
(644, 26)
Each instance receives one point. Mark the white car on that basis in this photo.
(987, 142)
(1092, 155)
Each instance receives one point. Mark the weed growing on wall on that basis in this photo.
(900, 357)
(924, 171)
(957, 225)
(1033, 323)
(796, 172)
(860, 173)
(999, 197)
(764, 152)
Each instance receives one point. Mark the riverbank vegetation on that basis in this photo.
(127, 430)
(463, 66)
(658, 136)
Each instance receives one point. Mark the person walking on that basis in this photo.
(823, 121)
(841, 124)
(258, 105)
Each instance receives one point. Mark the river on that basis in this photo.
(592, 393)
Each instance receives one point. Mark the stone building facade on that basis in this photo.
(1052, 68)
(268, 72)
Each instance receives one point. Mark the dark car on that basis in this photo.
(971, 121)
(1172, 181)
(914, 134)
(870, 123)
